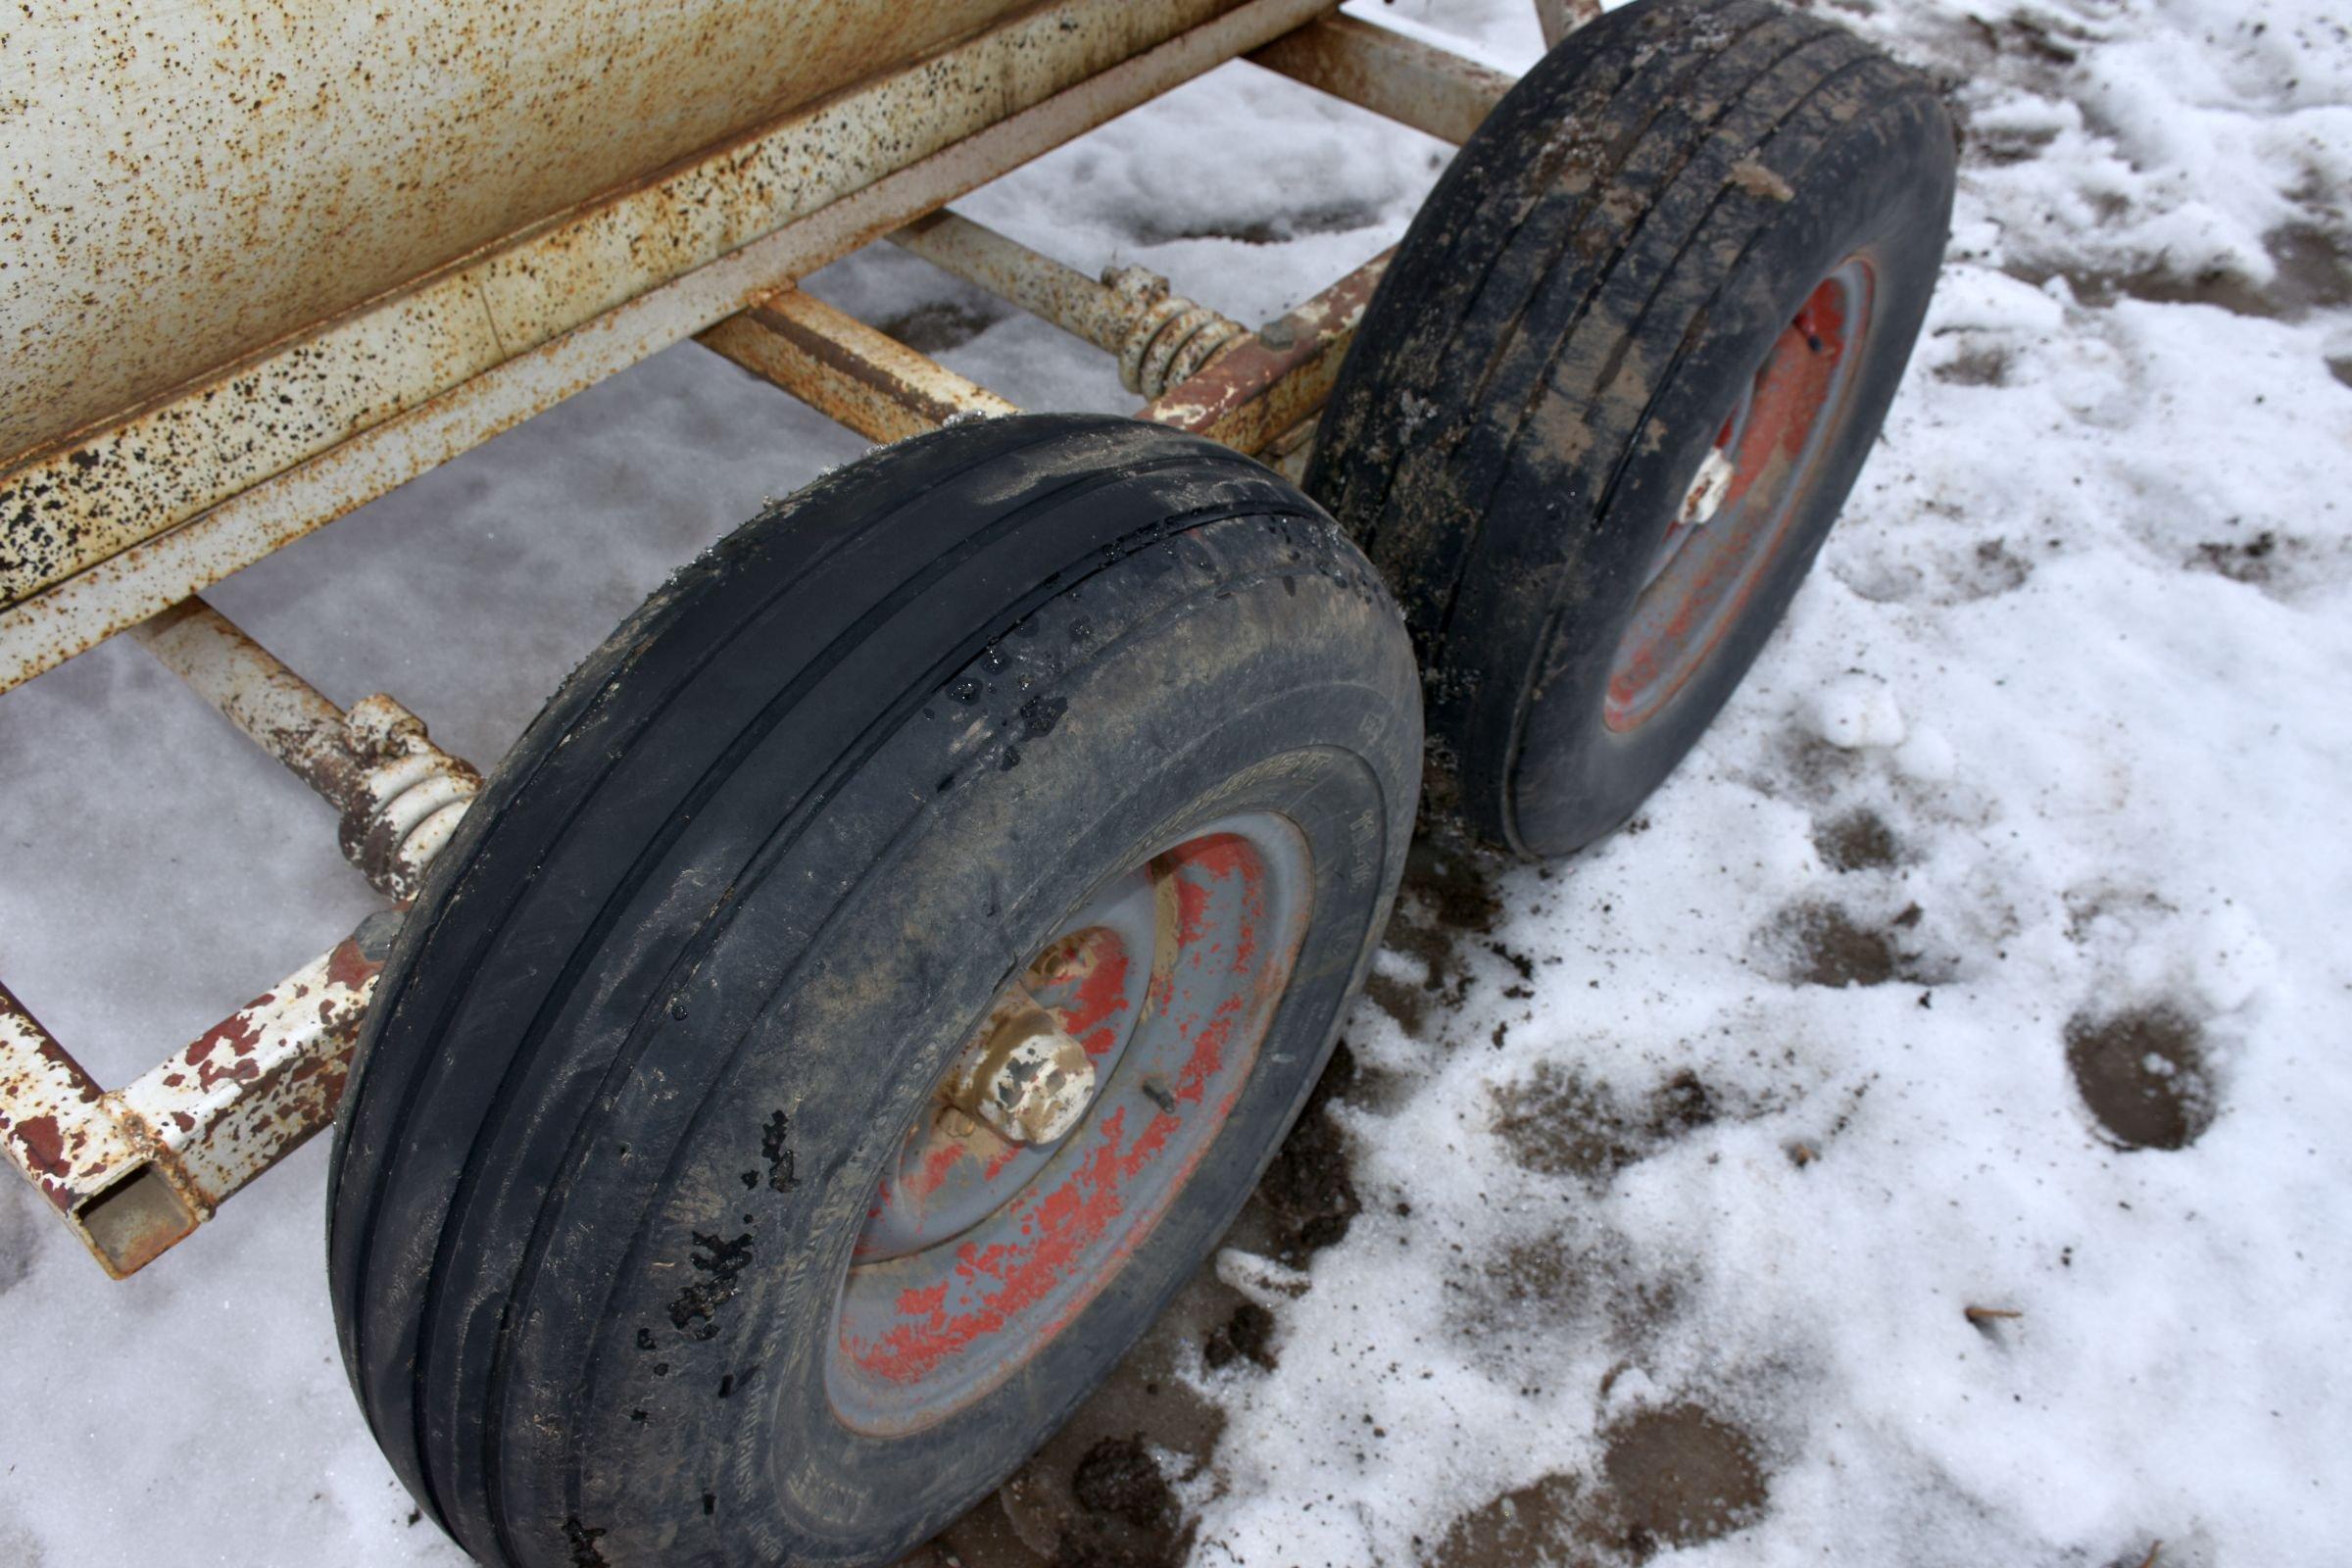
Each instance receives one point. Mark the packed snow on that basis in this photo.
(1780, 1140)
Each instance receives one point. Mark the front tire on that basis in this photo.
(617, 1263)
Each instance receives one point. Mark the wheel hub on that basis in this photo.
(1025, 1077)
(1068, 1123)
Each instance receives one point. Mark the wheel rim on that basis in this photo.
(976, 1251)
(1734, 514)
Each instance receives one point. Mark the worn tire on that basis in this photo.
(677, 990)
(1601, 278)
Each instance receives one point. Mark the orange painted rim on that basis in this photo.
(975, 1253)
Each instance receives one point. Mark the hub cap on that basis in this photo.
(1735, 515)
(1066, 1127)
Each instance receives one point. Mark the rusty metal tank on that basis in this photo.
(181, 185)
(264, 260)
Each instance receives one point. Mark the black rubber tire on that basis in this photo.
(814, 797)
(1562, 332)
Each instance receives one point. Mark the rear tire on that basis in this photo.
(1623, 259)
(677, 998)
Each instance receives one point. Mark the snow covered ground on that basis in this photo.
(1669, 1176)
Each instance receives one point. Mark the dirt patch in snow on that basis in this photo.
(1827, 945)
(1247, 1335)
(1447, 904)
(1531, 1524)
(1119, 1479)
(1272, 227)
(1555, 1122)
(1680, 1476)
(2313, 272)
(1104, 1492)
(1858, 841)
(1110, 1488)
(1578, 1285)
(2250, 560)
(2144, 1075)
(1308, 1198)
(1670, 1478)
(938, 325)
(1976, 367)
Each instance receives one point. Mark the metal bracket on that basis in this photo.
(134, 1170)
(1160, 337)
(1399, 77)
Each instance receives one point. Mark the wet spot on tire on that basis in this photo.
(1039, 715)
(2144, 1075)
(720, 1263)
(581, 1540)
(775, 1148)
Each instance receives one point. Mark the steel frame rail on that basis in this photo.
(136, 1170)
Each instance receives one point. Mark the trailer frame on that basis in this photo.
(158, 516)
